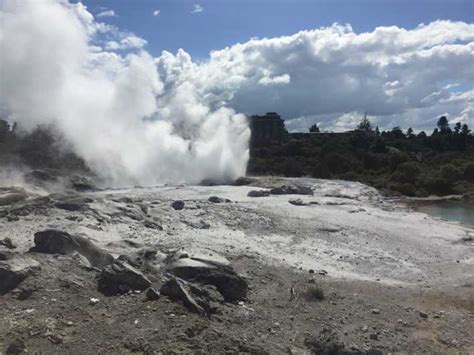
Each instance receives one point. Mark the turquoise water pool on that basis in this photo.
(459, 211)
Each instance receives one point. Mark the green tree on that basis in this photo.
(443, 125)
(314, 129)
(364, 125)
(465, 130)
(457, 127)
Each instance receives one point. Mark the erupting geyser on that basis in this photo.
(131, 117)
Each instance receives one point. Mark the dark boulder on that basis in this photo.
(14, 271)
(258, 193)
(215, 199)
(57, 242)
(119, 278)
(232, 286)
(187, 268)
(178, 205)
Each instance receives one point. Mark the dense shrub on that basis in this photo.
(469, 172)
(407, 172)
(450, 172)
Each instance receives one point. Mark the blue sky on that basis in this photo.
(226, 22)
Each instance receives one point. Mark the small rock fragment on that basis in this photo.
(215, 199)
(423, 314)
(7, 242)
(152, 294)
(298, 202)
(18, 346)
(178, 205)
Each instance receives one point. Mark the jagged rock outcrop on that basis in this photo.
(58, 242)
(14, 270)
(120, 277)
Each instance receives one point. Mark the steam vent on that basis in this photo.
(267, 129)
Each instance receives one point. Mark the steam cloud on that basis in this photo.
(128, 115)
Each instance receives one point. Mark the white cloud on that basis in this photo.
(156, 12)
(197, 8)
(129, 41)
(107, 13)
(275, 80)
(400, 76)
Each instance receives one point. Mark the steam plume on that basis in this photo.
(131, 122)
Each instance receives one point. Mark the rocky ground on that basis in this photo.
(278, 266)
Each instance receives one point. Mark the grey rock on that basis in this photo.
(292, 190)
(120, 277)
(5, 255)
(25, 293)
(71, 206)
(14, 271)
(178, 290)
(82, 183)
(152, 225)
(244, 180)
(201, 224)
(17, 346)
(57, 242)
(258, 193)
(187, 268)
(72, 202)
(9, 196)
(7, 242)
(131, 212)
(210, 258)
(42, 176)
(152, 294)
(215, 199)
(232, 286)
(178, 205)
(298, 202)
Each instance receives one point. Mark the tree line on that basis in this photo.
(395, 161)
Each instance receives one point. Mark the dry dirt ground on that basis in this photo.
(346, 272)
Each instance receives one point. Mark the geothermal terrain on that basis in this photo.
(268, 265)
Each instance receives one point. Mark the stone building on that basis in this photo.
(267, 129)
